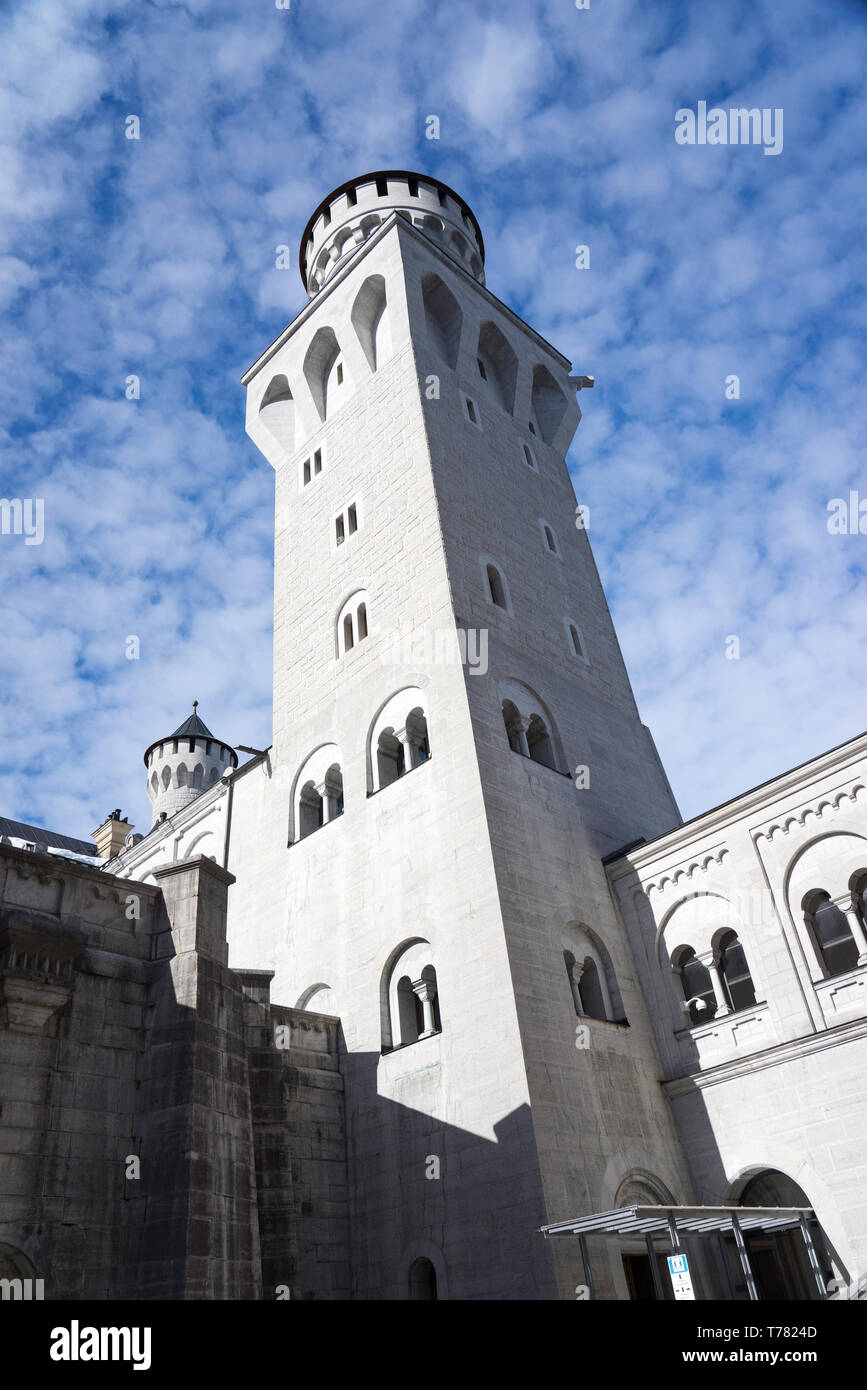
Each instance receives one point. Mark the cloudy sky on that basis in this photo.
(156, 257)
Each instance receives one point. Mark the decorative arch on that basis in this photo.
(428, 1251)
(196, 846)
(277, 412)
(14, 1264)
(319, 359)
(319, 999)
(549, 403)
(443, 317)
(500, 360)
(642, 1188)
(371, 321)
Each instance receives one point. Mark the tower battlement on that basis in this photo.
(351, 213)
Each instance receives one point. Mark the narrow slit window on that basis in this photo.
(339, 529)
(382, 188)
(340, 374)
(532, 426)
(317, 461)
(353, 520)
(306, 472)
(351, 198)
(482, 373)
(362, 622)
(348, 639)
(412, 185)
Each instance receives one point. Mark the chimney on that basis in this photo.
(111, 834)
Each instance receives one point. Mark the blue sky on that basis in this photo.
(708, 516)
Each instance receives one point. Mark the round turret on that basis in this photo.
(184, 764)
(349, 215)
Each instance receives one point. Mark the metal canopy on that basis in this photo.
(674, 1222)
(690, 1221)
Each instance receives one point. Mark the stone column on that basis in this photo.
(329, 801)
(856, 927)
(409, 742)
(425, 990)
(519, 728)
(711, 960)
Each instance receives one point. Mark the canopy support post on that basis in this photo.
(745, 1259)
(813, 1258)
(654, 1270)
(585, 1260)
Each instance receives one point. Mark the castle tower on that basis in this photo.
(426, 859)
(184, 764)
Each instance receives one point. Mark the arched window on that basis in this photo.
(529, 728)
(352, 622)
(496, 589)
(422, 1280)
(539, 743)
(590, 971)
(514, 727)
(735, 972)
(399, 740)
(696, 984)
(312, 811)
(389, 758)
(831, 933)
(277, 412)
(410, 996)
(318, 792)
(590, 991)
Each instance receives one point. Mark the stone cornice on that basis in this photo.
(775, 1056)
(717, 820)
(781, 825)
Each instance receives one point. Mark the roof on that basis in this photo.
(18, 830)
(655, 1221)
(192, 727)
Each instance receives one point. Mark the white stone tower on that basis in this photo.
(424, 855)
(184, 764)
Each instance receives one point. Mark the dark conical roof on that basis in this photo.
(192, 728)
